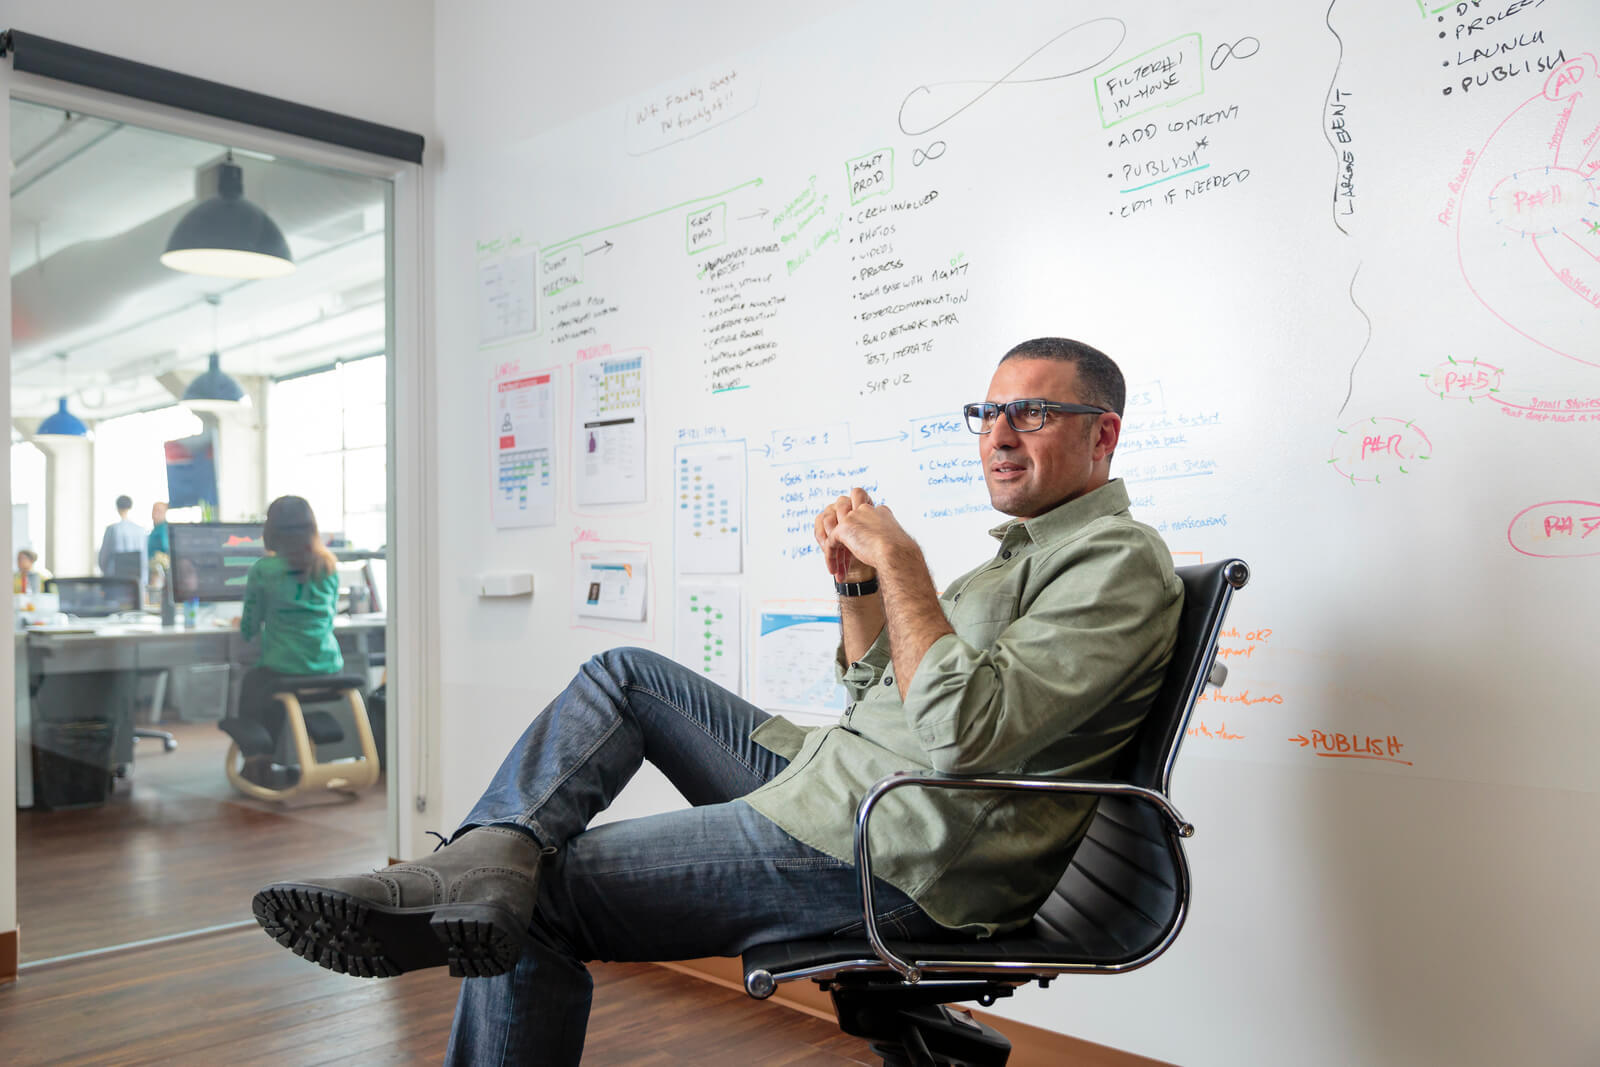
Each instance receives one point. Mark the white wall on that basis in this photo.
(370, 59)
(1338, 917)
(507, 72)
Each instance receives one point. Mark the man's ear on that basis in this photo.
(1107, 431)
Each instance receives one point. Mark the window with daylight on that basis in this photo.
(325, 442)
(130, 458)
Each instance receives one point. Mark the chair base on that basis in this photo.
(912, 1027)
(168, 742)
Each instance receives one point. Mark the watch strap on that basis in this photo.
(866, 588)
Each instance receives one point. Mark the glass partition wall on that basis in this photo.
(144, 395)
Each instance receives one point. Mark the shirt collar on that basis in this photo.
(1109, 499)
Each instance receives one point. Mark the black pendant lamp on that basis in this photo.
(227, 236)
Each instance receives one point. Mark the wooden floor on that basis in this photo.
(175, 848)
(237, 998)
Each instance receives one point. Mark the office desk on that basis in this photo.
(91, 671)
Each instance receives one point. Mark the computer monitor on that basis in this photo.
(96, 597)
(211, 559)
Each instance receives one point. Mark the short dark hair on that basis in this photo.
(124, 502)
(1099, 378)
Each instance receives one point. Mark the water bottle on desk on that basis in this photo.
(191, 612)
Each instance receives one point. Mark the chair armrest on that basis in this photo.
(901, 779)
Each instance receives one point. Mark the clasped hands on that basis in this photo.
(857, 537)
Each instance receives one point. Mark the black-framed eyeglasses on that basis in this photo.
(1025, 416)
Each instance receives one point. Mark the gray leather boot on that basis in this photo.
(468, 906)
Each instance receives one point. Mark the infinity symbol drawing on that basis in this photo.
(1090, 29)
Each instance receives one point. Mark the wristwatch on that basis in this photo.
(866, 588)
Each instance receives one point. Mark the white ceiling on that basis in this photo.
(97, 318)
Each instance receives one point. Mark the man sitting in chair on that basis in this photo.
(1042, 660)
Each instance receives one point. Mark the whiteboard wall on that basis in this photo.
(1349, 261)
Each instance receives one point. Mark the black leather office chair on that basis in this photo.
(1119, 905)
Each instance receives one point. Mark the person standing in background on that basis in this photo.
(28, 578)
(159, 540)
(158, 549)
(290, 597)
(125, 535)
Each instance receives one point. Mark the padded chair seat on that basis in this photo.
(786, 957)
(314, 687)
(1083, 925)
(251, 737)
(323, 728)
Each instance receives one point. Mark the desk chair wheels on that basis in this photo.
(158, 699)
(307, 730)
(168, 742)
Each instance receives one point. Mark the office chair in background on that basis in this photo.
(90, 598)
(1119, 905)
(308, 729)
(128, 565)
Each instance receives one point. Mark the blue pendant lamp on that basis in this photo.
(213, 390)
(227, 236)
(63, 425)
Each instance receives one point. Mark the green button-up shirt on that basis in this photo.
(1060, 645)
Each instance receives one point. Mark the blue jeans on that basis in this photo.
(711, 880)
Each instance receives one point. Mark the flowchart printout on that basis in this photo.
(708, 508)
(706, 637)
(506, 298)
(522, 462)
(609, 457)
(794, 665)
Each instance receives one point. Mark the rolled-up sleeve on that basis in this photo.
(859, 677)
(1094, 625)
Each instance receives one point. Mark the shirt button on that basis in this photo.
(1006, 554)
(888, 680)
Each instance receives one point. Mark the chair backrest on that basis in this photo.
(96, 597)
(127, 565)
(1207, 589)
(1123, 898)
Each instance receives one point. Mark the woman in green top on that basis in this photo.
(290, 597)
